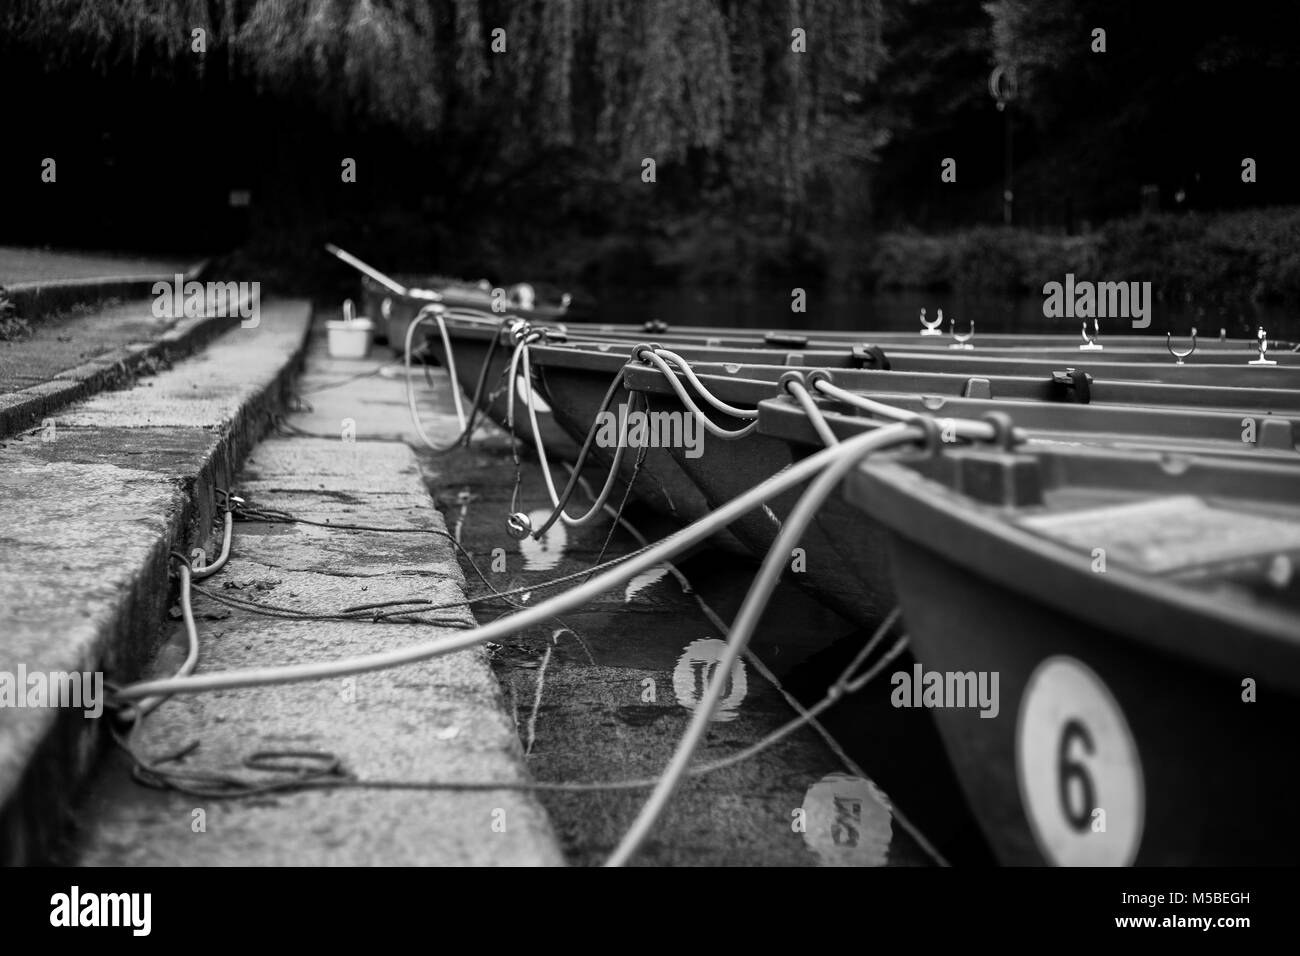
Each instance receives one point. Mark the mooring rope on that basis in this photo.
(675, 543)
(674, 381)
(699, 386)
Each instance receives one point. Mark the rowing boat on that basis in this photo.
(1123, 459)
(392, 305)
(794, 340)
(841, 560)
(1221, 369)
(394, 311)
(1142, 618)
(578, 385)
(479, 341)
(473, 344)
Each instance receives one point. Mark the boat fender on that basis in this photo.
(871, 357)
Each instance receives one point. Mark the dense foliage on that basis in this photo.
(1227, 258)
(514, 133)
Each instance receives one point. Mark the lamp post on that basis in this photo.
(1002, 86)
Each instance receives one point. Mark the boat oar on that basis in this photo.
(361, 267)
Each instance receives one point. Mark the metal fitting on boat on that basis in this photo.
(1090, 343)
(819, 375)
(791, 376)
(962, 341)
(644, 346)
(871, 357)
(785, 340)
(932, 438)
(931, 328)
(1169, 344)
(1077, 382)
(1262, 339)
(1004, 430)
(519, 526)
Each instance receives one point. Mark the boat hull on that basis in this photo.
(1140, 718)
(575, 395)
(846, 572)
(470, 354)
(1199, 750)
(841, 558)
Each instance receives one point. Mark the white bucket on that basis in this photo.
(350, 338)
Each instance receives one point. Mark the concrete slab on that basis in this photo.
(67, 359)
(441, 720)
(27, 264)
(88, 515)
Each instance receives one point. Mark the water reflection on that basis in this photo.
(695, 671)
(546, 554)
(643, 580)
(847, 821)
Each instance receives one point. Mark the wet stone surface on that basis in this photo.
(605, 693)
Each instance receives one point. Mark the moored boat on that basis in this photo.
(929, 339)
(1142, 616)
(473, 342)
(576, 385)
(841, 559)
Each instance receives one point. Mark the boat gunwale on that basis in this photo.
(740, 387)
(782, 418)
(982, 541)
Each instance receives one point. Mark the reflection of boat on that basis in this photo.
(698, 666)
(1144, 618)
(846, 821)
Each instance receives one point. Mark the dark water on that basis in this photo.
(606, 693)
(898, 311)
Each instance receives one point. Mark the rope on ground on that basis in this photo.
(306, 770)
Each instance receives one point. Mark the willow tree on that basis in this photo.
(771, 91)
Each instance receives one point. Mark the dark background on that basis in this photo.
(818, 169)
